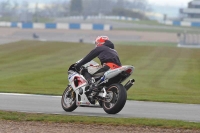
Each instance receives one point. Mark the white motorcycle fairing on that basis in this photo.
(79, 83)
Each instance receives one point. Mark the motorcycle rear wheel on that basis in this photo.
(116, 99)
(68, 100)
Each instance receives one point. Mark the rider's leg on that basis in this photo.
(86, 74)
(99, 73)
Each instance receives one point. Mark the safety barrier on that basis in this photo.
(80, 26)
(182, 23)
(189, 40)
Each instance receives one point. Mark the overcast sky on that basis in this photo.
(180, 3)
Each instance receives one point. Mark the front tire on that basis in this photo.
(116, 99)
(68, 100)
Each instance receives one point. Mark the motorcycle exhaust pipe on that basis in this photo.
(128, 85)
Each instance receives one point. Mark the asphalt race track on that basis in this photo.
(133, 109)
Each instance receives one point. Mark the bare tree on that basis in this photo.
(76, 7)
(95, 7)
(66, 8)
(15, 10)
(5, 8)
(142, 5)
(24, 15)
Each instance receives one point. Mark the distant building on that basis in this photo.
(192, 13)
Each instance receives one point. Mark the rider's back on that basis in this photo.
(108, 53)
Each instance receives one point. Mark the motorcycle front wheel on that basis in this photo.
(115, 99)
(68, 100)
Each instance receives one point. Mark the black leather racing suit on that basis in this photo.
(106, 53)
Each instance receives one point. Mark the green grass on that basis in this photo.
(168, 30)
(159, 44)
(34, 19)
(146, 22)
(164, 74)
(15, 116)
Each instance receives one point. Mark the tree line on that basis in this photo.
(27, 11)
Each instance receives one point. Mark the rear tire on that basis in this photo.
(68, 100)
(117, 99)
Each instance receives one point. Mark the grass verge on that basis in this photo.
(16, 116)
(167, 30)
(158, 44)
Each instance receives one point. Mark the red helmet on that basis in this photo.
(100, 40)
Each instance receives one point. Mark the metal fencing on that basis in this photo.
(189, 39)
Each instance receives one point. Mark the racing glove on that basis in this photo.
(80, 70)
(77, 68)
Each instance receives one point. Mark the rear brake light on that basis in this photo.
(129, 71)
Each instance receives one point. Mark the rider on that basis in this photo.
(107, 55)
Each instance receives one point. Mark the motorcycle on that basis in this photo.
(111, 94)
